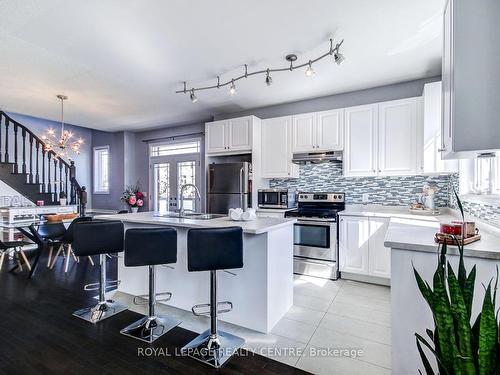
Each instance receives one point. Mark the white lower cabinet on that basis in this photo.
(379, 256)
(361, 246)
(353, 241)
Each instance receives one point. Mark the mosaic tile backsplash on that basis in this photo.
(488, 212)
(388, 191)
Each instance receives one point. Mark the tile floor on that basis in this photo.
(344, 315)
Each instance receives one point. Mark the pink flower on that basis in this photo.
(139, 195)
(140, 202)
(132, 200)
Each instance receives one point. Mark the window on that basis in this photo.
(168, 149)
(101, 170)
(487, 174)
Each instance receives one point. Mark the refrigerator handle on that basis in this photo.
(241, 189)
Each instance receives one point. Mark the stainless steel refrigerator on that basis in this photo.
(229, 186)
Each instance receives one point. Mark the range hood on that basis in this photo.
(318, 157)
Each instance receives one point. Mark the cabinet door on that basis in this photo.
(216, 136)
(276, 147)
(353, 244)
(304, 133)
(379, 256)
(398, 137)
(240, 134)
(360, 156)
(330, 130)
(446, 146)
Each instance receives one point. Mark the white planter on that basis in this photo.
(63, 201)
(134, 209)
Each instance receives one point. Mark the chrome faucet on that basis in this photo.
(181, 198)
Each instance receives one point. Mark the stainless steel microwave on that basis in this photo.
(276, 198)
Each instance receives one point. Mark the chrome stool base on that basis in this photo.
(100, 311)
(213, 350)
(150, 328)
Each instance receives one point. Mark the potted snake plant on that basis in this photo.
(458, 346)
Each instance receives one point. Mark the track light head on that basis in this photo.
(269, 80)
(339, 58)
(310, 71)
(193, 97)
(232, 89)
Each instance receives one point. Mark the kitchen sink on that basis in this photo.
(189, 215)
(200, 216)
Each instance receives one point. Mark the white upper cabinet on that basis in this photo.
(320, 131)
(330, 130)
(240, 134)
(360, 156)
(277, 148)
(216, 137)
(304, 133)
(381, 139)
(471, 81)
(432, 142)
(229, 136)
(397, 137)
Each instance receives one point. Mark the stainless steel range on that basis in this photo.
(315, 234)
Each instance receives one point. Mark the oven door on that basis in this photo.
(315, 240)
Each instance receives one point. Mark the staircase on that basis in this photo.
(32, 171)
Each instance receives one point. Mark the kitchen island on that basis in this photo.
(412, 244)
(261, 291)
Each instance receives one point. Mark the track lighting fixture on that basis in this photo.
(310, 71)
(232, 89)
(290, 58)
(193, 97)
(269, 80)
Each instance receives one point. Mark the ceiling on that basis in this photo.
(120, 61)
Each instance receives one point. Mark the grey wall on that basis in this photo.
(115, 141)
(83, 161)
(378, 94)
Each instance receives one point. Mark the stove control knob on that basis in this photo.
(334, 197)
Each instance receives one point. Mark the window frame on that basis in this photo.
(494, 174)
(97, 184)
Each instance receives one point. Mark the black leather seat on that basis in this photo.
(151, 247)
(66, 240)
(52, 233)
(212, 249)
(99, 238)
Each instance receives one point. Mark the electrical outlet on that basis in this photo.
(366, 198)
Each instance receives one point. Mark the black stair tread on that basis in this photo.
(6, 163)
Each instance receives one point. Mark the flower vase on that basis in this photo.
(134, 209)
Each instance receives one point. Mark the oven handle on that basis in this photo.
(316, 223)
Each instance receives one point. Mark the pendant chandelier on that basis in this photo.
(64, 143)
(333, 51)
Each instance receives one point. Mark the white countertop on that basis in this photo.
(384, 211)
(257, 226)
(417, 233)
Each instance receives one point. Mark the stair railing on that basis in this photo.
(53, 174)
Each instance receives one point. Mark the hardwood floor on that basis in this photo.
(39, 335)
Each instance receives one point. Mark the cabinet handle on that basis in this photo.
(379, 171)
(442, 149)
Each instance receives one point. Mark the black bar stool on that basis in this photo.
(211, 250)
(151, 247)
(99, 238)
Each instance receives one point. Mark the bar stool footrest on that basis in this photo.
(204, 308)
